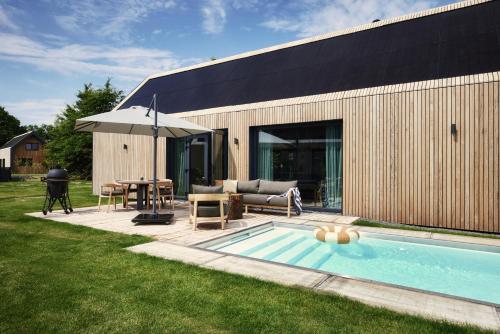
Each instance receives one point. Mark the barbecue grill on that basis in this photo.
(57, 190)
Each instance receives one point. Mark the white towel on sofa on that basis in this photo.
(297, 201)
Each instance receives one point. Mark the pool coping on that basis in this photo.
(396, 297)
(333, 274)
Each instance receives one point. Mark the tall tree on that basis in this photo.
(9, 126)
(43, 131)
(73, 150)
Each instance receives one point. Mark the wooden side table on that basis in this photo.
(235, 210)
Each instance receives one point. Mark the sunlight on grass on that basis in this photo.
(63, 278)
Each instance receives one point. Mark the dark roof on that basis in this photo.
(17, 139)
(454, 43)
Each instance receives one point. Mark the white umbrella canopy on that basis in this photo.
(134, 121)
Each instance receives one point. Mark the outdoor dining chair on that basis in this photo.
(164, 191)
(111, 191)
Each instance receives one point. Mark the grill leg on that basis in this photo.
(62, 201)
(52, 201)
(69, 200)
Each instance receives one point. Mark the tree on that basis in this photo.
(73, 150)
(9, 126)
(43, 131)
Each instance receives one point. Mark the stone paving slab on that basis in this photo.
(463, 238)
(180, 231)
(175, 252)
(267, 271)
(414, 302)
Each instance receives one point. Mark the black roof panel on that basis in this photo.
(454, 43)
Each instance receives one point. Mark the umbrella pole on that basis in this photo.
(154, 217)
(155, 140)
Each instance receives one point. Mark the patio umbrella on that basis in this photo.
(138, 121)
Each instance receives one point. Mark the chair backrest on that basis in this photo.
(164, 184)
(111, 185)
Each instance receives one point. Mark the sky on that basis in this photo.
(50, 48)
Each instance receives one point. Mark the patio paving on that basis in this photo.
(175, 241)
(181, 231)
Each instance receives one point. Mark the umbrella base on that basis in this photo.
(149, 218)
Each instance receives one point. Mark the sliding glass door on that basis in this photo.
(198, 159)
(310, 153)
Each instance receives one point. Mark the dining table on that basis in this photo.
(142, 188)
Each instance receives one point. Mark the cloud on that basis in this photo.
(37, 111)
(245, 4)
(5, 21)
(129, 63)
(114, 19)
(321, 16)
(214, 16)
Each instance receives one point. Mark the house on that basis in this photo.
(396, 120)
(23, 154)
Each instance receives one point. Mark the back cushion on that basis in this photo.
(248, 187)
(206, 190)
(230, 186)
(275, 187)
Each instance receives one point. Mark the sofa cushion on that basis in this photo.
(197, 189)
(210, 210)
(254, 199)
(248, 187)
(261, 199)
(230, 186)
(275, 187)
(279, 201)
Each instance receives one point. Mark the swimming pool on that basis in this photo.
(459, 269)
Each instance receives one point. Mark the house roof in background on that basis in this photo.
(440, 44)
(19, 138)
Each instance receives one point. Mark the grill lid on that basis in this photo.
(58, 173)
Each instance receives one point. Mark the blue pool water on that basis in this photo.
(459, 269)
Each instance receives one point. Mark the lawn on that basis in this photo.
(62, 278)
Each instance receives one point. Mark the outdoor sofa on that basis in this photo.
(256, 193)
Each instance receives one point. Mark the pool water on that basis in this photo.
(459, 269)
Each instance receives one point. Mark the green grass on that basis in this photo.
(371, 223)
(58, 277)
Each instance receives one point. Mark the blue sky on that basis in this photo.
(50, 48)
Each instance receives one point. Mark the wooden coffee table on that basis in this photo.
(235, 207)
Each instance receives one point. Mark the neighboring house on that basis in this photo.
(23, 154)
(396, 120)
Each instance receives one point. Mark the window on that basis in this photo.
(25, 162)
(32, 147)
(310, 153)
(2, 163)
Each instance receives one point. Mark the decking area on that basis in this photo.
(178, 242)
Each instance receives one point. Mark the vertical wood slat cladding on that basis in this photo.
(112, 162)
(401, 163)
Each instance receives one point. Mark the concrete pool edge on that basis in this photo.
(400, 233)
(397, 298)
